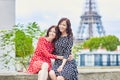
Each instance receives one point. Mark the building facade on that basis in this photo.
(7, 14)
(7, 21)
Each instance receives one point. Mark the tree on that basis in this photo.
(20, 39)
(23, 44)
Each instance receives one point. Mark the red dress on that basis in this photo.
(42, 54)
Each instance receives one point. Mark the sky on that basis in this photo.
(48, 12)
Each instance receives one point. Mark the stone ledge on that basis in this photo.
(84, 74)
(17, 76)
(100, 76)
(99, 73)
(97, 70)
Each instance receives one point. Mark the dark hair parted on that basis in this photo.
(69, 29)
(56, 32)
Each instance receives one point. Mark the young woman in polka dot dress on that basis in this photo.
(40, 62)
(64, 69)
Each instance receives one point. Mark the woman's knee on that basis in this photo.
(60, 78)
(51, 72)
(45, 66)
(52, 75)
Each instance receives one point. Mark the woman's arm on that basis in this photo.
(66, 53)
(41, 46)
(60, 57)
(62, 65)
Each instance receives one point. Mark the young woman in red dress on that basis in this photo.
(41, 61)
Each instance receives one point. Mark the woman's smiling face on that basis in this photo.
(52, 33)
(63, 26)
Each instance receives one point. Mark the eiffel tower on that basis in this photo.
(90, 24)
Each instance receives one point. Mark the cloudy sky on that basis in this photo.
(48, 12)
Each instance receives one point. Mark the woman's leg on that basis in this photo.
(52, 75)
(43, 73)
(60, 78)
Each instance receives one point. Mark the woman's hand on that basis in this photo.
(59, 57)
(60, 68)
(71, 57)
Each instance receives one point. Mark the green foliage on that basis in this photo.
(92, 43)
(109, 42)
(75, 49)
(6, 38)
(25, 35)
(20, 39)
(7, 41)
(23, 44)
(6, 59)
(32, 29)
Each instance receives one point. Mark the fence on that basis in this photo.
(99, 59)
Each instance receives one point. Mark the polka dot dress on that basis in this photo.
(63, 48)
(42, 54)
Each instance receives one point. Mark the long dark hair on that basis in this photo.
(56, 32)
(69, 29)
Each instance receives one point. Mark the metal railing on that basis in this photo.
(99, 59)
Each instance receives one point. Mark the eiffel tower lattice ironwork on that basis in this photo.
(90, 24)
